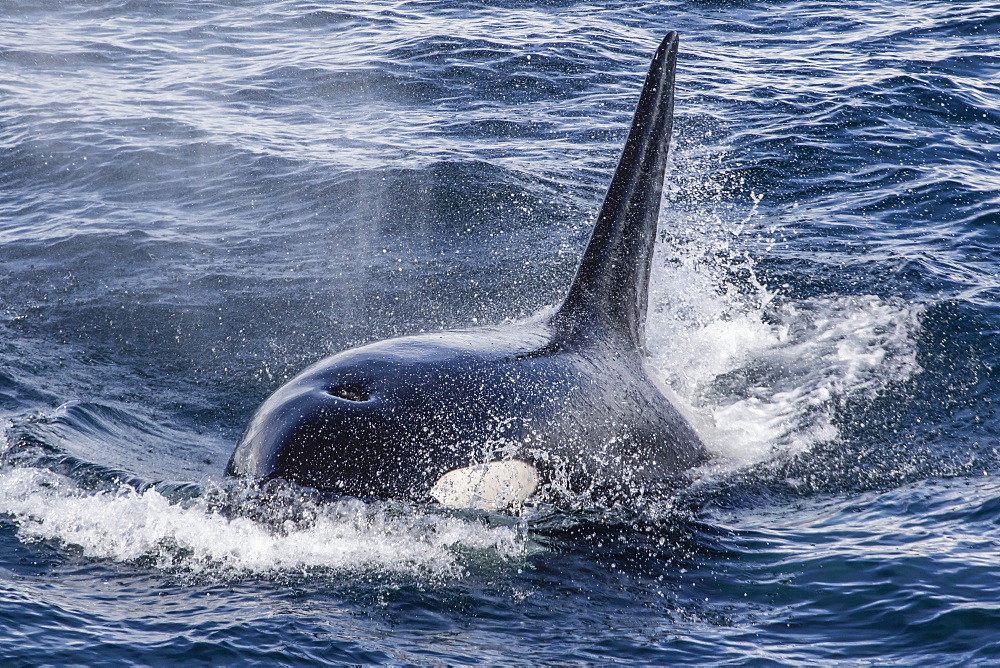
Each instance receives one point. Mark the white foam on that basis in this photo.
(129, 526)
(763, 374)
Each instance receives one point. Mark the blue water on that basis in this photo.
(199, 199)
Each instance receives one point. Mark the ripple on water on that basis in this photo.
(200, 199)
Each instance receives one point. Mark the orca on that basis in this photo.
(561, 405)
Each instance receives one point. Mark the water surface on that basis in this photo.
(198, 200)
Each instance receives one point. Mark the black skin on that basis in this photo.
(388, 419)
(568, 392)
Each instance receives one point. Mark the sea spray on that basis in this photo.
(148, 527)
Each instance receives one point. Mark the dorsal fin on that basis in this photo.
(612, 281)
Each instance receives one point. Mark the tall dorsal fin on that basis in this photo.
(611, 284)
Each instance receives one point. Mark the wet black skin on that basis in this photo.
(569, 392)
(388, 419)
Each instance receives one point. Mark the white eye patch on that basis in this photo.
(491, 486)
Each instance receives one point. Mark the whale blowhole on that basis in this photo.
(353, 393)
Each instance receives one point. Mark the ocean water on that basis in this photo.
(199, 199)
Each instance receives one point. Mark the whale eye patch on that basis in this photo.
(349, 392)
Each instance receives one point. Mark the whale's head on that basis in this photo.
(387, 420)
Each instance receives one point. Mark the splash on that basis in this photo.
(147, 527)
(762, 375)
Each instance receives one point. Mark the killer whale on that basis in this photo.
(482, 417)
